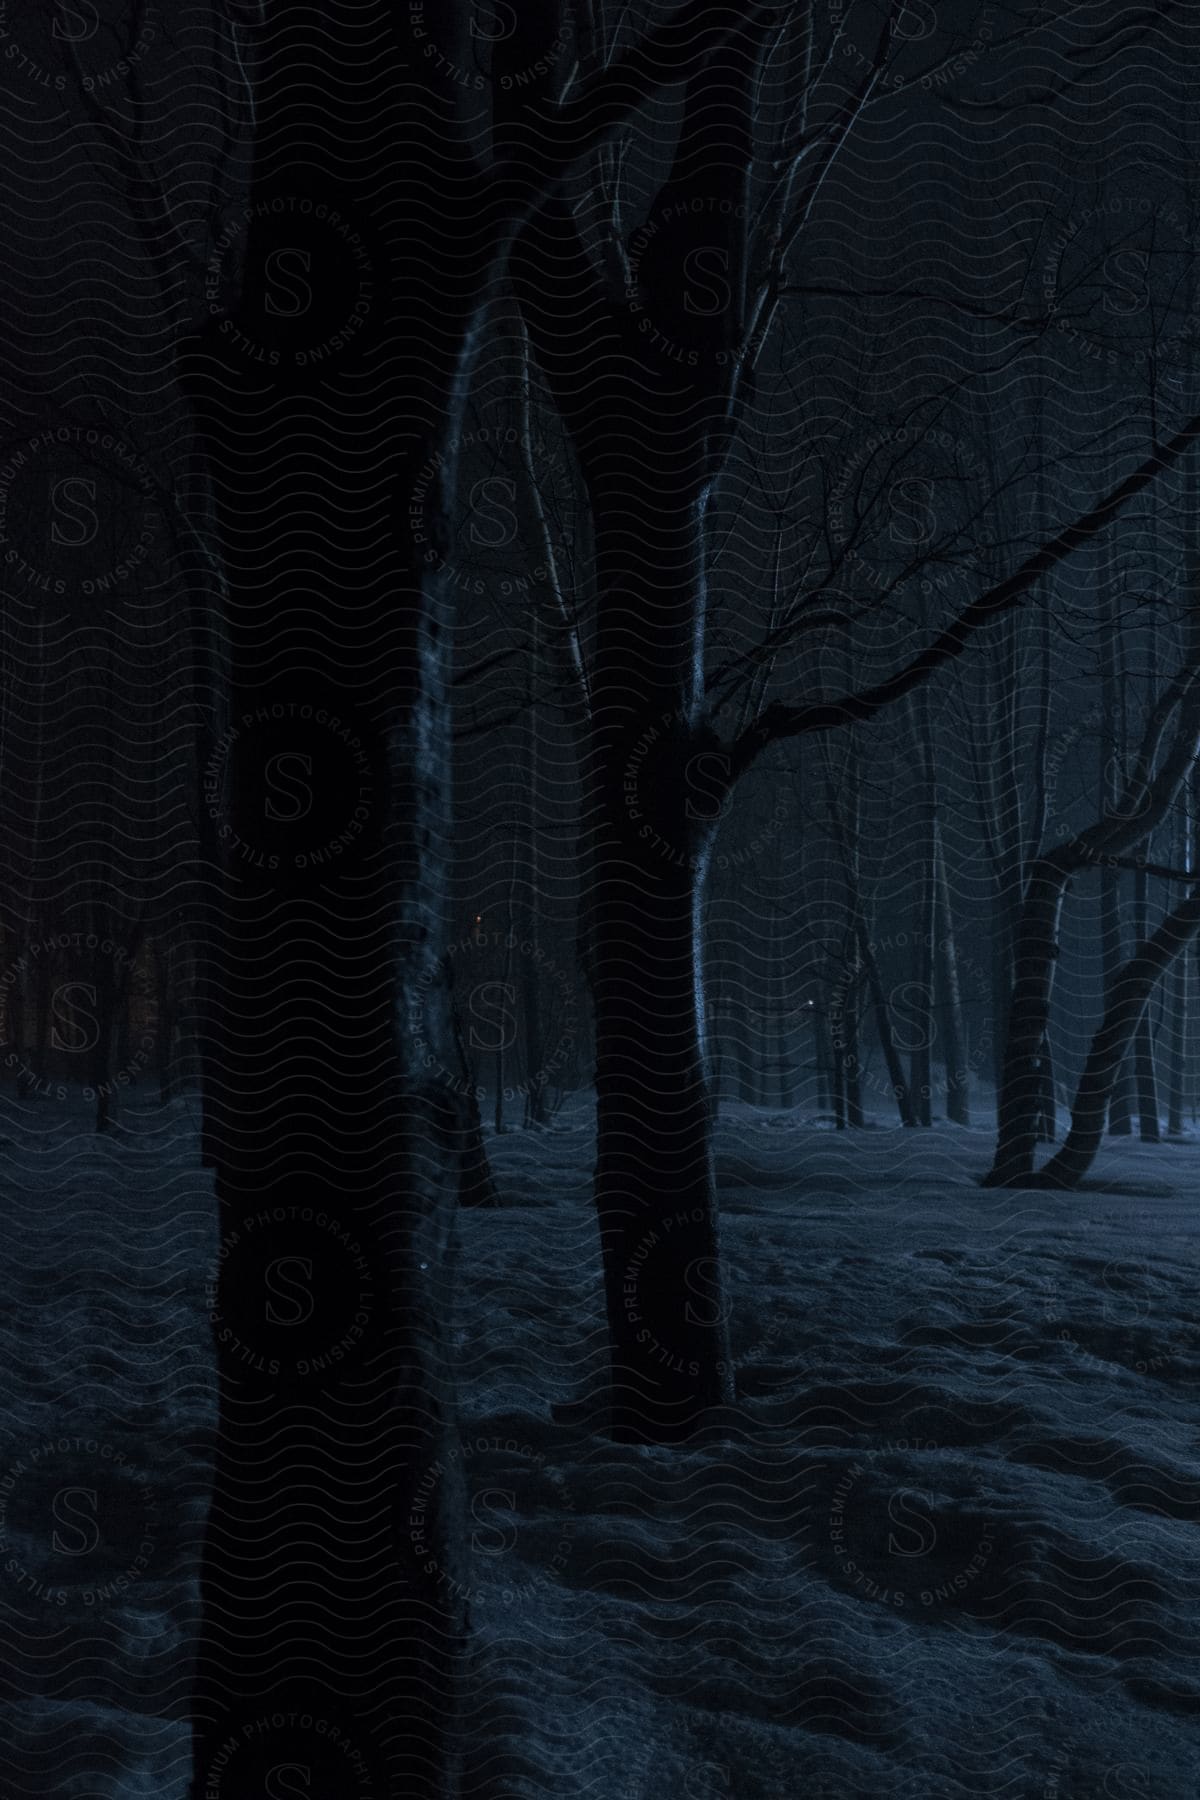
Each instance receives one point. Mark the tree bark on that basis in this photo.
(1145, 1077)
(334, 1562)
(924, 934)
(652, 435)
(958, 1097)
(1179, 1006)
(1112, 757)
(883, 1026)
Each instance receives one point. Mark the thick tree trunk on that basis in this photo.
(652, 431)
(333, 1583)
(1126, 1007)
(655, 1183)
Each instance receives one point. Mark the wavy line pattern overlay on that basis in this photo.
(599, 703)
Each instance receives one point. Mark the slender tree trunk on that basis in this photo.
(883, 1026)
(1179, 1005)
(164, 965)
(851, 1062)
(1143, 1041)
(1126, 1007)
(1028, 1020)
(1113, 756)
(925, 936)
(950, 1013)
(503, 1041)
(477, 1185)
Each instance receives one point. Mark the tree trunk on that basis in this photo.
(165, 965)
(1121, 1099)
(883, 1026)
(655, 1184)
(1113, 754)
(958, 1098)
(1028, 1021)
(333, 1576)
(652, 433)
(851, 1062)
(1146, 1081)
(1179, 995)
(477, 1185)
(1126, 1007)
(924, 935)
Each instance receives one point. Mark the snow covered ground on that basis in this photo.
(945, 1546)
(105, 1448)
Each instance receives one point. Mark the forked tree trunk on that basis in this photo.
(651, 432)
(1147, 798)
(1126, 1008)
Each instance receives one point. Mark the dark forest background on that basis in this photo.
(560, 557)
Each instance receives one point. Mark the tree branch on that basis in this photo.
(666, 55)
(782, 721)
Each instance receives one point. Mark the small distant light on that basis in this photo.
(424, 1265)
